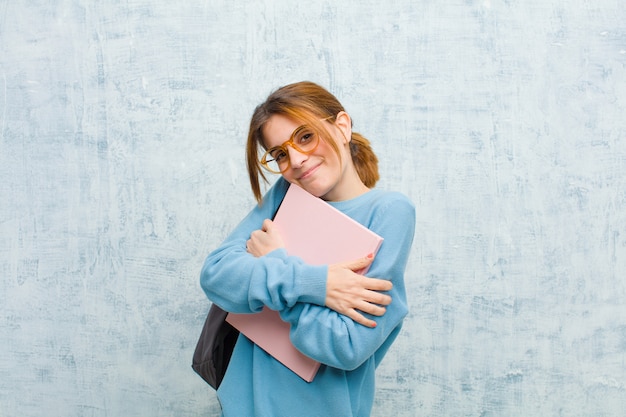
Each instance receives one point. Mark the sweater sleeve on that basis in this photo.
(336, 340)
(241, 283)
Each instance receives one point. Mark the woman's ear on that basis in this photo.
(344, 123)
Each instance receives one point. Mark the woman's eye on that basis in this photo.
(306, 138)
(279, 155)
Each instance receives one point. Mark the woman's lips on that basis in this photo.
(308, 172)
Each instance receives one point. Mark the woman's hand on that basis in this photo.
(265, 240)
(349, 293)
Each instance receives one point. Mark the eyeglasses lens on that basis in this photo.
(303, 140)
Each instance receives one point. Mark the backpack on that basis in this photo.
(215, 347)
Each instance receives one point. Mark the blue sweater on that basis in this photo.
(256, 385)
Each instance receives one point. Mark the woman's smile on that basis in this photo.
(309, 172)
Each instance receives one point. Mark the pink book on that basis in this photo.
(321, 235)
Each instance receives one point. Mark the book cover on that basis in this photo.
(319, 234)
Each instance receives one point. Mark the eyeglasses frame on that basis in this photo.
(263, 161)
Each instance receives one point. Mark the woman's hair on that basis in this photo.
(309, 103)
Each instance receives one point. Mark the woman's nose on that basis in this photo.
(296, 158)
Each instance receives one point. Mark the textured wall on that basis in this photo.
(121, 166)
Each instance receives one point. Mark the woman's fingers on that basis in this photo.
(355, 295)
(357, 265)
(361, 319)
(264, 240)
(372, 309)
(376, 284)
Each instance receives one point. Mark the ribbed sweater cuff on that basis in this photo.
(312, 284)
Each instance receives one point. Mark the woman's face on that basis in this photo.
(320, 172)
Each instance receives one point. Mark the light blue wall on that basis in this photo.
(121, 166)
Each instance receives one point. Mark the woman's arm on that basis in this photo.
(337, 340)
(347, 292)
(238, 282)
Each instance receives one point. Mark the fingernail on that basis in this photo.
(370, 256)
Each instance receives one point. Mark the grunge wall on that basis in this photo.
(122, 129)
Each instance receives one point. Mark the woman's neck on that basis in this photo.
(349, 187)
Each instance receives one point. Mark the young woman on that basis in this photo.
(342, 319)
